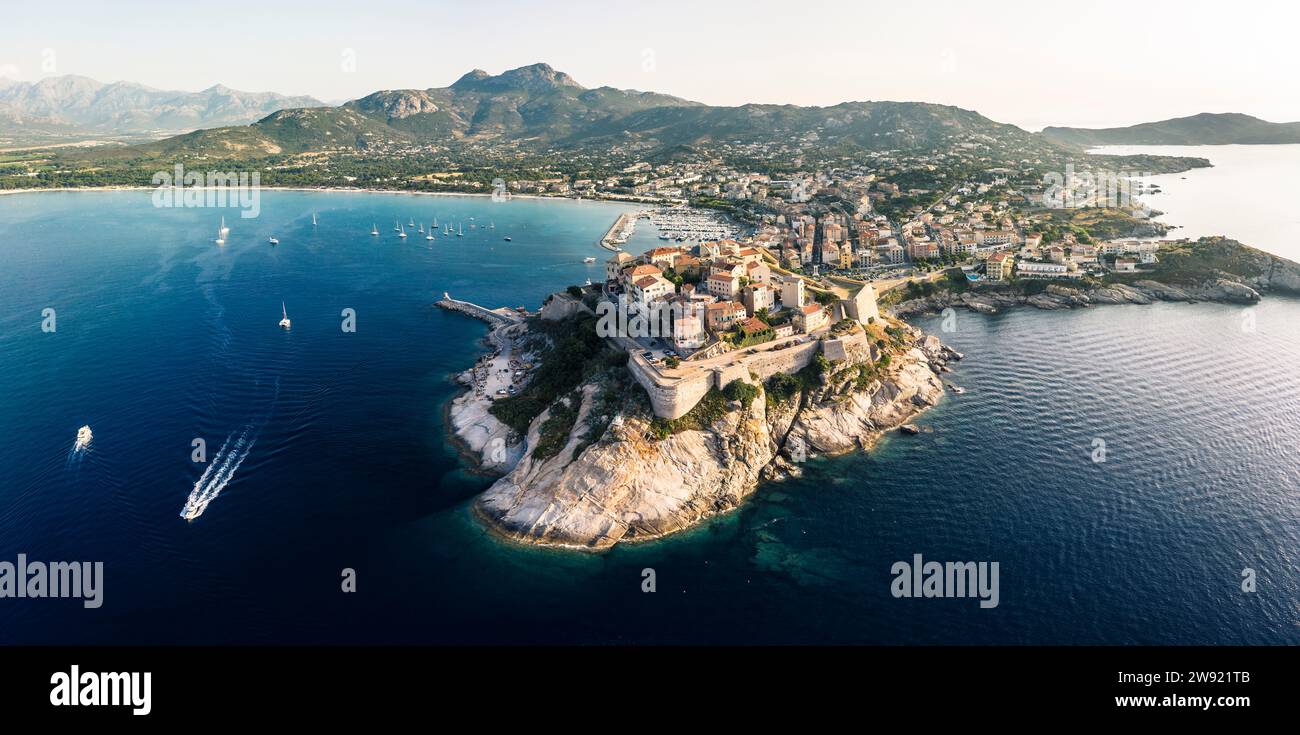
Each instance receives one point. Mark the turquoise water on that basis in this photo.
(163, 337)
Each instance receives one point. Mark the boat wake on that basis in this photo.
(220, 471)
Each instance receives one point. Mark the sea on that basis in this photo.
(1132, 470)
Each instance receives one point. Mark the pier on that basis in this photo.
(619, 232)
(501, 316)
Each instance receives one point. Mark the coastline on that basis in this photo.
(331, 190)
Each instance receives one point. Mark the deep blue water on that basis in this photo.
(163, 337)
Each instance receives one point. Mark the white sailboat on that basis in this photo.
(460, 230)
(284, 317)
(396, 226)
(421, 230)
(430, 235)
(412, 223)
(313, 219)
(374, 230)
(401, 232)
(435, 221)
(221, 232)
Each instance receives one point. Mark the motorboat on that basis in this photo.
(83, 438)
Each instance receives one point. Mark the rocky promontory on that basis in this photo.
(596, 467)
(1211, 269)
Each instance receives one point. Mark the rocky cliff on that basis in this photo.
(626, 476)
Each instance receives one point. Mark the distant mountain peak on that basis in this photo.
(1204, 128)
(538, 77)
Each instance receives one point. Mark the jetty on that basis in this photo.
(619, 232)
(500, 316)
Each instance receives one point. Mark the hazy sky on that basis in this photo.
(1029, 63)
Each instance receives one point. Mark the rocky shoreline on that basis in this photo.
(627, 484)
(1213, 269)
(1058, 296)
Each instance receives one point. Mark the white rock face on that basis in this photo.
(631, 485)
(483, 434)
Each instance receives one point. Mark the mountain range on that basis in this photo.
(1204, 129)
(538, 108)
(70, 104)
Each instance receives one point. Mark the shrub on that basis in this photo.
(554, 431)
(739, 390)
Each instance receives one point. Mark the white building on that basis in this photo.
(792, 292)
(759, 296)
(646, 290)
(1030, 269)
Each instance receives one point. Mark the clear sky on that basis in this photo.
(1030, 63)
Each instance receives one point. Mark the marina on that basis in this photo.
(684, 224)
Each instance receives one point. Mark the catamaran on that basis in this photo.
(284, 317)
(221, 232)
(374, 230)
